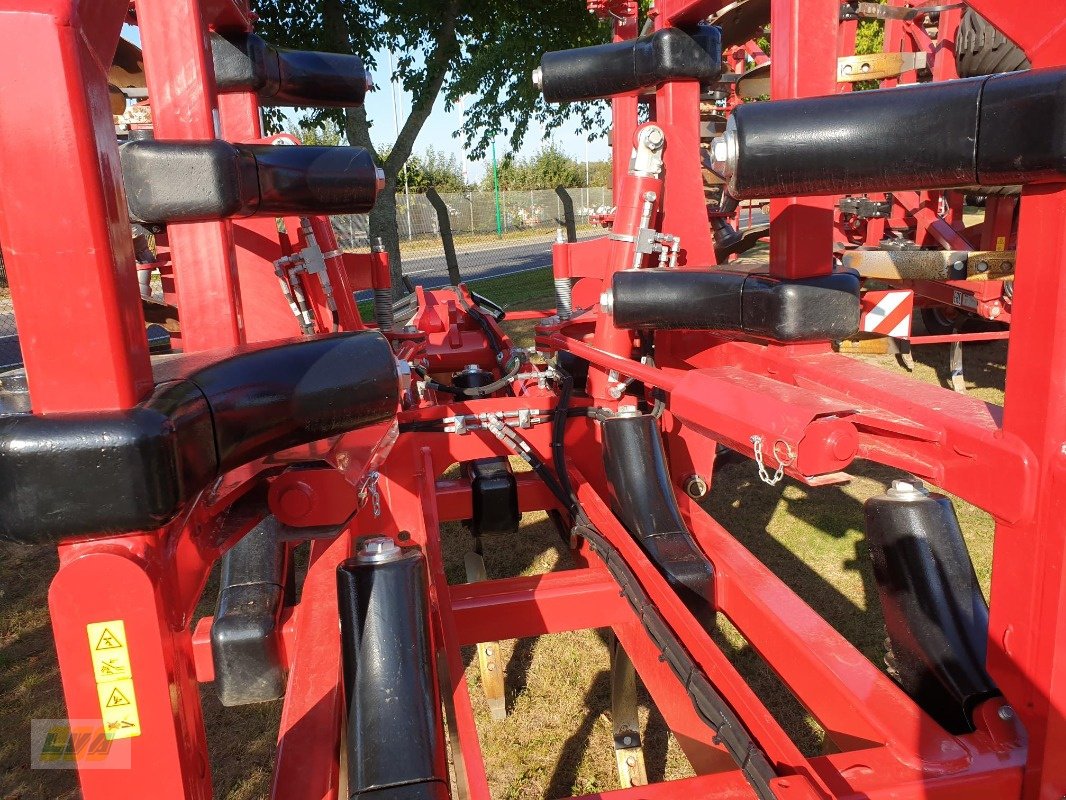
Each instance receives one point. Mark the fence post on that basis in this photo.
(568, 213)
(496, 189)
(445, 225)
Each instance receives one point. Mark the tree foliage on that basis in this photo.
(547, 168)
(326, 132)
(437, 169)
(482, 51)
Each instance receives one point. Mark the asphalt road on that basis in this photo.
(493, 261)
(488, 262)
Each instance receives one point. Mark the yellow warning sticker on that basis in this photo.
(114, 679)
(1001, 243)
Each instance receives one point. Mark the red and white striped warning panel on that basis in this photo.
(887, 313)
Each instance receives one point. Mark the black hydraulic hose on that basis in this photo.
(479, 318)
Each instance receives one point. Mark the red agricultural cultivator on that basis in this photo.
(281, 418)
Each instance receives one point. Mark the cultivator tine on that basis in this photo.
(904, 353)
(957, 377)
(625, 723)
(488, 653)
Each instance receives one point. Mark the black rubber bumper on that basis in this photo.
(68, 475)
(642, 497)
(755, 304)
(280, 77)
(589, 73)
(935, 613)
(989, 131)
(395, 725)
(189, 181)
(246, 632)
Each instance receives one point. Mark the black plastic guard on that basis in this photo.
(589, 73)
(935, 613)
(494, 494)
(1023, 128)
(756, 304)
(190, 181)
(280, 77)
(992, 131)
(395, 722)
(245, 633)
(642, 497)
(920, 136)
(68, 475)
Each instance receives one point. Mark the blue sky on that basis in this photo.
(441, 127)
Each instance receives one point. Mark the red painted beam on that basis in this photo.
(514, 608)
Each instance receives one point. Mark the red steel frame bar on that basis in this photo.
(181, 83)
(76, 186)
(309, 739)
(801, 229)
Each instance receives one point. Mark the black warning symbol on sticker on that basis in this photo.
(109, 641)
(116, 698)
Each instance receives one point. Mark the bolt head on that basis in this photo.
(631, 761)
(910, 489)
(982, 266)
(297, 500)
(1005, 713)
(627, 740)
(695, 487)
(378, 549)
(720, 150)
(607, 302)
(654, 137)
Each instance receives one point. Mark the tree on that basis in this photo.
(437, 169)
(551, 167)
(327, 133)
(481, 49)
(599, 174)
(548, 168)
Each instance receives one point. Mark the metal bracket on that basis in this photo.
(490, 663)
(875, 66)
(879, 11)
(625, 724)
(865, 208)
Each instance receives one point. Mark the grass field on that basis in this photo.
(556, 739)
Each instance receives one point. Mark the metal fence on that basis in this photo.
(491, 240)
(476, 214)
(520, 243)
